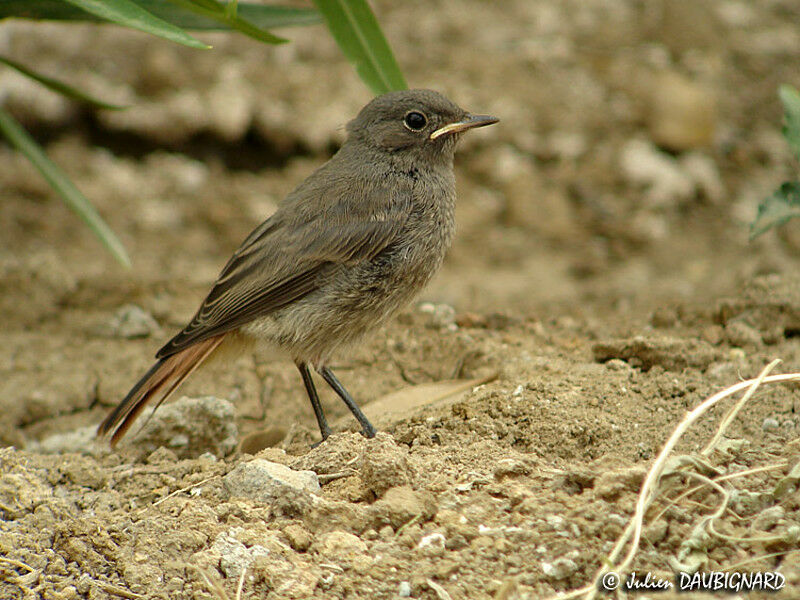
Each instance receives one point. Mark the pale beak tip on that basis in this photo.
(468, 122)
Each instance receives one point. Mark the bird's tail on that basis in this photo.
(160, 381)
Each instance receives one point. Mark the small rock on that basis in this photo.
(713, 334)
(432, 545)
(657, 531)
(340, 546)
(742, 335)
(767, 519)
(577, 480)
(747, 503)
(617, 364)
(161, 456)
(299, 537)
(471, 320)
(672, 354)
(510, 467)
(404, 589)
(665, 182)
(433, 539)
(770, 424)
(737, 354)
(81, 440)
(190, 427)
(234, 555)
(264, 481)
(663, 317)
(705, 174)
(130, 322)
(384, 465)
(682, 113)
(332, 515)
(440, 316)
(609, 486)
(560, 568)
(401, 504)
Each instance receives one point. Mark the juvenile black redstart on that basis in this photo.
(343, 252)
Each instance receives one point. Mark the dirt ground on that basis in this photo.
(600, 286)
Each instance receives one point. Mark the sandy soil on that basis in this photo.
(601, 285)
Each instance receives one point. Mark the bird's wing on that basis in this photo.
(280, 261)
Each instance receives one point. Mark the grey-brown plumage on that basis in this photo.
(352, 244)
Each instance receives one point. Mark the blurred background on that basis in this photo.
(614, 198)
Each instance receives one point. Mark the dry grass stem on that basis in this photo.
(631, 537)
(440, 591)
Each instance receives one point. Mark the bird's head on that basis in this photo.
(420, 124)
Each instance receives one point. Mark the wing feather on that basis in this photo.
(282, 259)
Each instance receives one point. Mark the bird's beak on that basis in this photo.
(467, 122)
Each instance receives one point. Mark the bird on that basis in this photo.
(343, 252)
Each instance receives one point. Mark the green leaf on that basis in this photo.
(219, 12)
(129, 14)
(261, 16)
(354, 27)
(778, 208)
(790, 98)
(58, 86)
(72, 197)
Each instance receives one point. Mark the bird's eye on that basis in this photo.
(414, 120)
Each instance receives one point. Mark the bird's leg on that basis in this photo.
(366, 426)
(324, 428)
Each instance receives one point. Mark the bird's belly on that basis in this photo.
(352, 300)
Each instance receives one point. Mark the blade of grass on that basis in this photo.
(72, 197)
(261, 16)
(790, 98)
(129, 14)
(58, 86)
(355, 29)
(775, 210)
(218, 12)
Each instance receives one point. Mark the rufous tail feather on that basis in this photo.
(161, 380)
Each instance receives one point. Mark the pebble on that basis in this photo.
(610, 485)
(433, 544)
(560, 568)
(384, 465)
(713, 334)
(401, 504)
(234, 555)
(666, 183)
(81, 440)
(617, 364)
(299, 537)
(441, 316)
(770, 424)
(130, 322)
(510, 467)
(768, 518)
(682, 113)
(340, 546)
(705, 173)
(404, 589)
(264, 481)
(740, 334)
(664, 316)
(191, 427)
